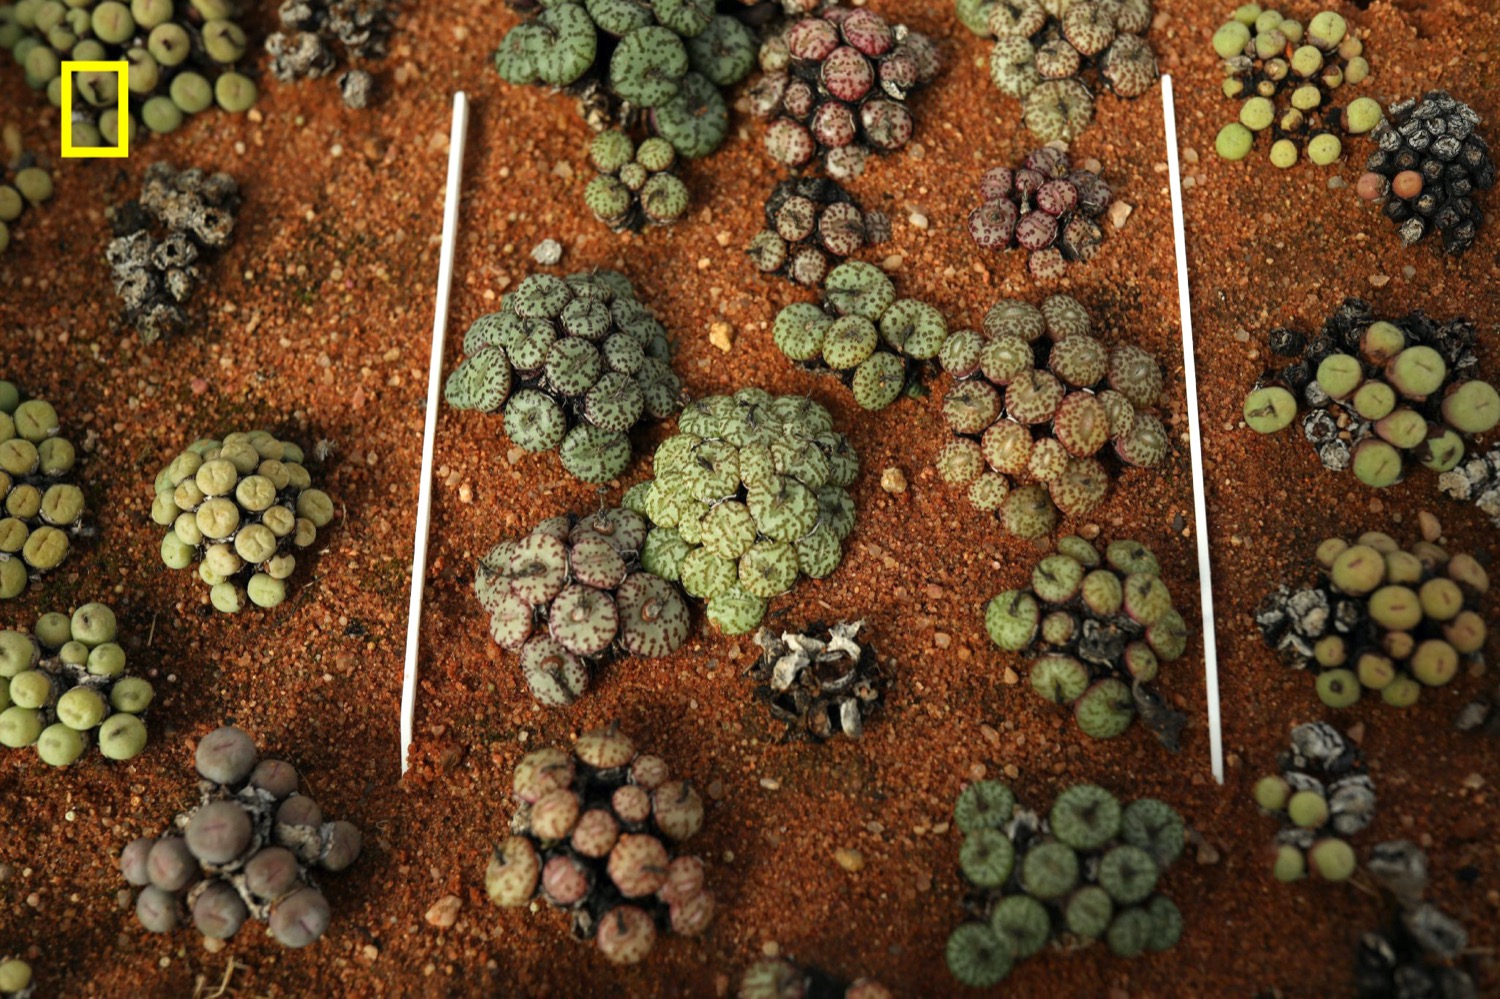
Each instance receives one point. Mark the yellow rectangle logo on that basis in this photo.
(121, 70)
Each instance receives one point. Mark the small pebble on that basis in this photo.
(770, 783)
(1011, 677)
(547, 252)
(918, 219)
(721, 335)
(1119, 212)
(1431, 529)
(892, 263)
(1380, 280)
(849, 859)
(444, 912)
(893, 480)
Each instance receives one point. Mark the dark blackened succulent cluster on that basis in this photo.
(571, 594)
(835, 88)
(65, 684)
(778, 978)
(22, 182)
(1322, 795)
(247, 851)
(42, 510)
(1380, 618)
(1096, 630)
(597, 833)
(1045, 208)
(1379, 393)
(576, 363)
(1476, 481)
(1482, 714)
(749, 496)
(1428, 170)
(180, 222)
(635, 185)
(810, 221)
(1044, 48)
(877, 344)
(1422, 953)
(239, 508)
(303, 48)
(1030, 369)
(16, 979)
(822, 682)
(1088, 870)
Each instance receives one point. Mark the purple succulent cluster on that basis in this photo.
(811, 221)
(1046, 208)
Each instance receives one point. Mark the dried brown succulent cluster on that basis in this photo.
(821, 682)
(1425, 951)
(303, 48)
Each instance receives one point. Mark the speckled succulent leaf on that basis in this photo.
(647, 66)
(736, 612)
(533, 421)
(1081, 487)
(1135, 374)
(484, 384)
(843, 461)
(615, 403)
(554, 674)
(705, 575)
(1105, 710)
(496, 329)
(702, 418)
(538, 568)
(511, 620)
(783, 508)
(1146, 444)
(836, 510)
(879, 380)
(675, 451)
(528, 351)
(820, 552)
(594, 562)
(594, 454)
(588, 318)
(573, 366)
(1058, 678)
(663, 552)
(1013, 67)
(1155, 827)
(584, 620)
(491, 574)
(1168, 636)
(728, 530)
(914, 328)
(860, 289)
(724, 52)
(799, 330)
(1058, 110)
(621, 527)
(513, 58)
(801, 460)
(542, 296)
(686, 17)
(1011, 619)
(654, 620)
(562, 45)
(619, 17)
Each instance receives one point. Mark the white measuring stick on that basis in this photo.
(1195, 435)
(429, 433)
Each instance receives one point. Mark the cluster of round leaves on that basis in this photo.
(810, 221)
(40, 508)
(750, 495)
(635, 185)
(1322, 796)
(181, 59)
(246, 852)
(1029, 369)
(1087, 871)
(1380, 618)
(876, 343)
(1289, 77)
(778, 978)
(1425, 952)
(571, 593)
(1045, 208)
(596, 833)
(1429, 165)
(1096, 629)
(1380, 393)
(575, 362)
(27, 184)
(65, 683)
(671, 59)
(1044, 48)
(835, 88)
(239, 508)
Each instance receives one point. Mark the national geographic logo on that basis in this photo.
(95, 74)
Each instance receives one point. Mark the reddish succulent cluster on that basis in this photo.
(1045, 208)
(810, 221)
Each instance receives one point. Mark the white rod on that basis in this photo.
(1195, 434)
(429, 434)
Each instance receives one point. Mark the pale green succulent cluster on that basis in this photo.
(41, 509)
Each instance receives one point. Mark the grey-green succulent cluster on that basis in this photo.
(16, 979)
(575, 363)
(303, 48)
(597, 832)
(1425, 951)
(22, 183)
(1289, 76)
(1043, 48)
(571, 593)
(635, 185)
(779, 978)
(239, 508)
(1322, 795)
(749, 496)
(1088, 870)
(1476, 481)
(181, 59)
(65, 685)
(41, 508)
(667, 62)
(878, 344)
(247, 851)
(822, 682)
(162, 240)
(1381, 618)
(1029, 370)
(1097, 629)
(810, 221)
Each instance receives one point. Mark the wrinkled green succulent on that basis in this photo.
(635, 185)
(42, 509)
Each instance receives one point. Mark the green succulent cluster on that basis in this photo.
(1088, 870)
(181, 59)
(671, 59)
(635, 185)
(575, 363)
(15, 979)
(877, 343)
(1289, 75)
(777, 978)
(1323, 796)
(41, 508)
(749, 496)
(1381, 619)
(239, 508)
(1096, 628)
(65, 685)
(27, 184)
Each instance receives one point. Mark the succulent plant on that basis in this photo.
(1089, 868)
(247, 851)
(1323, 795)
(749, 496)
(809, 222)
(303, 47)
(575, 363)
(239, 508)
(1429, 167)
(1043, 207)
(821, 682)
(779, 978)
(1379, 394)
(597, 832)
(835, 88)
(1096, 629)
(571, 594)
(1043, 50)
(1289, 77)
(22, 182)
(15, 979)
(162, 242)
(635, 185)
(1380, 618)
(42, 509)
(1423, 950)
